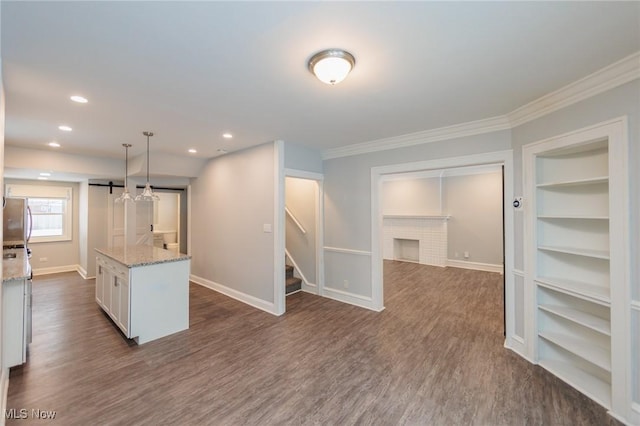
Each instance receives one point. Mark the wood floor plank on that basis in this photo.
(434, 356)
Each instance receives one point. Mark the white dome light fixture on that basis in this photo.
(331, 66)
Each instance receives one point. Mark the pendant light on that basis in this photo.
(147, 192)
(126, 195)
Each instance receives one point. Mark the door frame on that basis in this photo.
(504, 158)
(319, 179)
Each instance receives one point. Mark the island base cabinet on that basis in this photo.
(146, 302)
(159, 300)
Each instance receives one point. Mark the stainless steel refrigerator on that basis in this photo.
(16, 223)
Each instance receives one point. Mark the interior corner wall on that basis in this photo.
(83, 224)
(347, 202)
(474, 203)
(231, 202)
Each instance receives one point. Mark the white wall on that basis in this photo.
(412, 197)
(231, 201)
(56, 255)
(474, 203)
(300, 198)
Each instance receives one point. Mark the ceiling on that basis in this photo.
(190, 71)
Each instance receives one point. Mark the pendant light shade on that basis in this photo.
(331, 66)
(126, 195)
(147, 192)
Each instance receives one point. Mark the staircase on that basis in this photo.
(292, 284)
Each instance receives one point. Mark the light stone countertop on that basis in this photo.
(133, 256)
(17, 268)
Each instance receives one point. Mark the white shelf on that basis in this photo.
(586, 181)
(597, 254)
(549, 216)
(596, 355)
(585, 291)
(579, 317)
(593, 387)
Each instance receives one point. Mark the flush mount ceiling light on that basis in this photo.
(54, 144)
(227, 135)
(65, 128)
(126, 195)
(147, 192)
(331, 66)
(192, 151)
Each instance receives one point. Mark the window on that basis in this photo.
(51, 210)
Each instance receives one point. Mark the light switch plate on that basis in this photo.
(267, 228)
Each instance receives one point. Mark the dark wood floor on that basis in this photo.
(434, 356)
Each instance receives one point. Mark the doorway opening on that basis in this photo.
(448, 218)
(500, 159)
(303, 232)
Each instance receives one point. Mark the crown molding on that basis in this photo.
(470, 128)
(614, 75)
(609, 77)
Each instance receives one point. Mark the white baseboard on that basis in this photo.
(55, 269)
(235, 294)
(487, 267)
(350, 298)
(516, 344)
(4, 388)
(83, 273)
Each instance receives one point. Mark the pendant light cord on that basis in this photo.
(148, 157)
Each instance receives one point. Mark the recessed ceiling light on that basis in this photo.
(42, 178)
(193, 151)
(79, 99)
(65, 128)
(54, 144)
(227, 135)
(222, 151)
(45, 174)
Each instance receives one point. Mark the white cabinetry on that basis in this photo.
(15, 324)
(147, 299)
(112, 291)
(575, 265)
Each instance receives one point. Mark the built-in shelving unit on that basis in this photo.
(572, 266)
(583, 322)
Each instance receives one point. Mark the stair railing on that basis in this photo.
(293, 218)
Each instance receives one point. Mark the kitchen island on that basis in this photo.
(144, 289)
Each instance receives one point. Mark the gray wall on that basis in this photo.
(474, 203)
(302, 158)
(231, 200)
(412, 197)
(57, 253)
(347, 187)
(300, 198)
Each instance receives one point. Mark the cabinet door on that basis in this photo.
(99, 283)
(123, 319)
(107, 279)
(115, 297)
